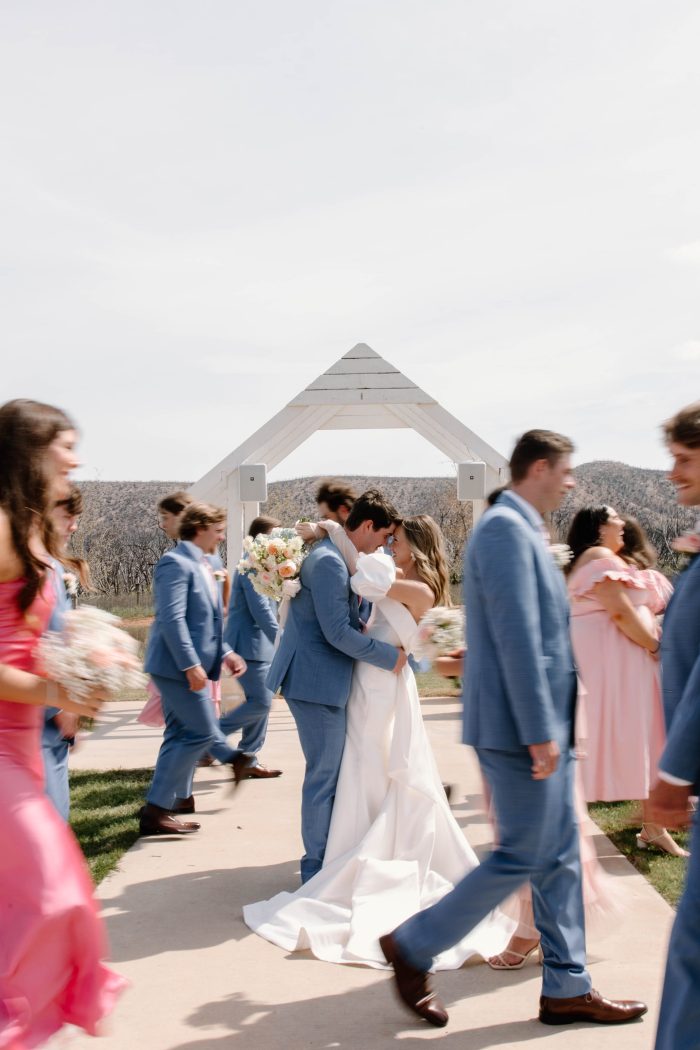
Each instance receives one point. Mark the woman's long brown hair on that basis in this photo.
(27, 428)
(428, 549)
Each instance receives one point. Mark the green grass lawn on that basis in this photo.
(103, 815)
(620, 822)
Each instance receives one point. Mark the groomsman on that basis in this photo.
(252, 629)
(519, 704)
(334, 500)
(185, 651)
(679, 768)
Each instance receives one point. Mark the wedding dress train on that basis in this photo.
(394, 846)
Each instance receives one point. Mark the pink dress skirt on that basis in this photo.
(621, 732)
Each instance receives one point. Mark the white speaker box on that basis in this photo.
(252, 483)
(471, 480)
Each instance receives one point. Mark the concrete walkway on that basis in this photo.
(201, 980)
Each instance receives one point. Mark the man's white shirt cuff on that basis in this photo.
(670, 779)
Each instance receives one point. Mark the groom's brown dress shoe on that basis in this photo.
(413, 985)
(154, 820)
(593, 1008)
(262, 772)
(183, 805)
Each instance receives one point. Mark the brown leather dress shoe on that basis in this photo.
(262, 772)
(413, 985)
(593, 1008)
(243, 768)
(154, 820)
(183, 805)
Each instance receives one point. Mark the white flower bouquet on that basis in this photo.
(440, 631)
(273, 562)
(562, 554)
(91, 652)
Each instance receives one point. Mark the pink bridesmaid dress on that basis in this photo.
(52, 940)
(621, 732)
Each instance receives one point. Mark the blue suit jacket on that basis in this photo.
(680, 678)
(251, 628)
(520, 677)
(321, 639)
(188, 625)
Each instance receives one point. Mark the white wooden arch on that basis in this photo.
(361, 391)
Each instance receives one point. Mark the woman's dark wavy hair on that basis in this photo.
(637, 549)
(584, 531)
(27, 428)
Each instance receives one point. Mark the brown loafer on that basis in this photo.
(154, 820)
(413, 985)
(262, 772)
(593, 1008)
(183, 805)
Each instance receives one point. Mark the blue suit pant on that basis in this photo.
(321, 731)
(252, 716)
(54, 751)
(191, 730)
(538, 840)
(679, 1017)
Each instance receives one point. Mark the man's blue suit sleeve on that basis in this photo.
(171, 586)
(511, 600)
(681, 755)
(329, 593)
(259, 609)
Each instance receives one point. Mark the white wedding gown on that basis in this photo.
(394, 846)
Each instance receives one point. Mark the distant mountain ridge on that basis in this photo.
(119, 536)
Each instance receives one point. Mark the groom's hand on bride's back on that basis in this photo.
(401, 662)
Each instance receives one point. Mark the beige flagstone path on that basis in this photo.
(202, 981)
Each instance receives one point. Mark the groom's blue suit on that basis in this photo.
(679, 1020)
(520, 689)
(313, 666)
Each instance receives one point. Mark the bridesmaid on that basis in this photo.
(53, 942)
(616, 640)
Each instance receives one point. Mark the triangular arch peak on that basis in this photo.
(361, 391)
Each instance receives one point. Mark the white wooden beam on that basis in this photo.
(350, 366)
(411, 396)
(361, 350)
(363, 381)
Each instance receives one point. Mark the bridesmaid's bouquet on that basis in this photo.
(91, 651)
(273, 563)
(440, 631)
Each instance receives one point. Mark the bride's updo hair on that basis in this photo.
(428, 550)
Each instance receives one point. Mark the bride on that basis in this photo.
(394, 847)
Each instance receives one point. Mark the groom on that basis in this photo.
(519, 701)
(313, 665)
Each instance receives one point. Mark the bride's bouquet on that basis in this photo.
(440, 631)
(273, 563)
(91, 652)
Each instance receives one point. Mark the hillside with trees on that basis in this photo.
(118, 532)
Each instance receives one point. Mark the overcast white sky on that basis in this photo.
(204, 205)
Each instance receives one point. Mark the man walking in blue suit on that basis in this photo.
(314, 662)
(185, 651)
(251, 630)
(679, 767)
(519, 702)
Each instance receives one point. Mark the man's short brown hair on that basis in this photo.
(534, 445)
(335, 494)
(175, 502)
(199, 516)
(372, 506)
(684, 427)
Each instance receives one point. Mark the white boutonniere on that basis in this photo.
(561, 553)
(70, 582)
(219, 575)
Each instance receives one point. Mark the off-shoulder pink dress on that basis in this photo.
(52, 941)
(621, 731)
